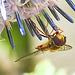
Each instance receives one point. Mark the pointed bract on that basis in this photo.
(71, 4)
(21, 28)
(64, 14)
(10, 37)
(49, 20)
(33, 26)
(54, 13)
(41, 24)
(29, 28)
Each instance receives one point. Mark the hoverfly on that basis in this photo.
(56, 42)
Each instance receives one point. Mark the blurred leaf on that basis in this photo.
(45, 67)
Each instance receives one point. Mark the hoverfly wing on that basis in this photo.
(29, 55)
(65, 47)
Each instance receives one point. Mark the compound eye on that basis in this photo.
(59, 42)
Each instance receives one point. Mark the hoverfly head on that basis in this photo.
(59, 39)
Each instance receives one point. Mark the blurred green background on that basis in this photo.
(48, 63)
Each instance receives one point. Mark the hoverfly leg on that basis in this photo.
(42, 25)
(51, 32)
(50, 21)
(37, 29)
(46, 29)
(58, 31)
(33, 27)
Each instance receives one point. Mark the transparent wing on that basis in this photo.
(65, 48)
(29, 55)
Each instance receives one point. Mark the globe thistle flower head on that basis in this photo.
(9, 35)
(18, 10)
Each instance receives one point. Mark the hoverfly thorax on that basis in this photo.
(44, 47)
